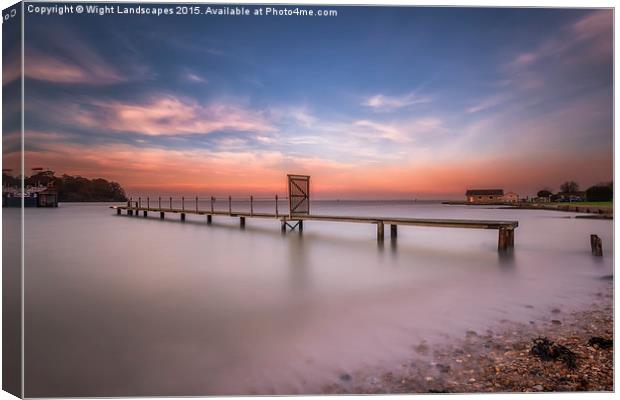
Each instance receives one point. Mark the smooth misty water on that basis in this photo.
(119, 305)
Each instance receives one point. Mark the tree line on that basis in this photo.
(72, 188)
(599, 192)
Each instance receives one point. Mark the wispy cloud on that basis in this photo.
(170, 115)
(487, 104)
(84, 68)
(194, 77)
(381, 102)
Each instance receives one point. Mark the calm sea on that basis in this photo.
(119, 305)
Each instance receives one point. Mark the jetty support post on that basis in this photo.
(139, 202)
(242, 222)
(596, 244)
(300, 225)
(229, 205)
(277, 211)
(148, 202)
(209, 219)
(145, 213)
(171, 204)
(129, 202)
(118, 211)
(182, 216)
(380, 232)
(183, 203)
(129, 212)
(196, 203)
(393, 231)
(506, 239)
(283, 228)
(251, 206)
(161, 215)
(212, 200)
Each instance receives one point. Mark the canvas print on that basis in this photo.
(206, 199)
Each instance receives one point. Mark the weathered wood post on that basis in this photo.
(596, 245)
(301, 225)
(161, 215)
(283, 228)
(393, 231)
(129, 202)
(196, 203)
(182, 216)
(251, 205)
(139, 202)
(171, 204)
(380, 235)
(242, 222)
(212, 199)
(129, 212)
(209, 219)
(229, 205)
(506, 239)
(148, 202)
(118, 211)
(145, 213)
(183, 203)
(277, 210)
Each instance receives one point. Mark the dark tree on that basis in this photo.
(72, 188)
(600, 192)
(569, 187)
(544, 193)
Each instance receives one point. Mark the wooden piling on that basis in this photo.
(196, 203)
(242, 222)
(145, 213)
(277, 208)
(171, 204)
(161, 215)
(380, 235)
(283, 228)
(251, 206)
(506, 240)
(118, 211)
(596, 244)
(300, 224)
(139, 205)
(209, 219)
(393, 231)
(182, 216)
(229, 205)
(183, 203)
(212, 203)
(148, 202)
(129, 212)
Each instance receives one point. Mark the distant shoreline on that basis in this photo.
(588, 208)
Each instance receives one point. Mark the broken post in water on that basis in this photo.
(596, 245)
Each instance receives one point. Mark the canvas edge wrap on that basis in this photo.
(12, 222)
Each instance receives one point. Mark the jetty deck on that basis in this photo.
(290, 221)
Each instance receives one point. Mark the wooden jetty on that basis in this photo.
(292, 221)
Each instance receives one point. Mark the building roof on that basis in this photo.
(485, 192)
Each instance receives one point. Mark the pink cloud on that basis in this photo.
(42, 66)
(168, 115)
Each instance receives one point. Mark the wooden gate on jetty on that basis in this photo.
(299, 211)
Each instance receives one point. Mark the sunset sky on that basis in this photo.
(374, 103)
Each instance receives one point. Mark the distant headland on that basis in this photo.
(68, 188)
